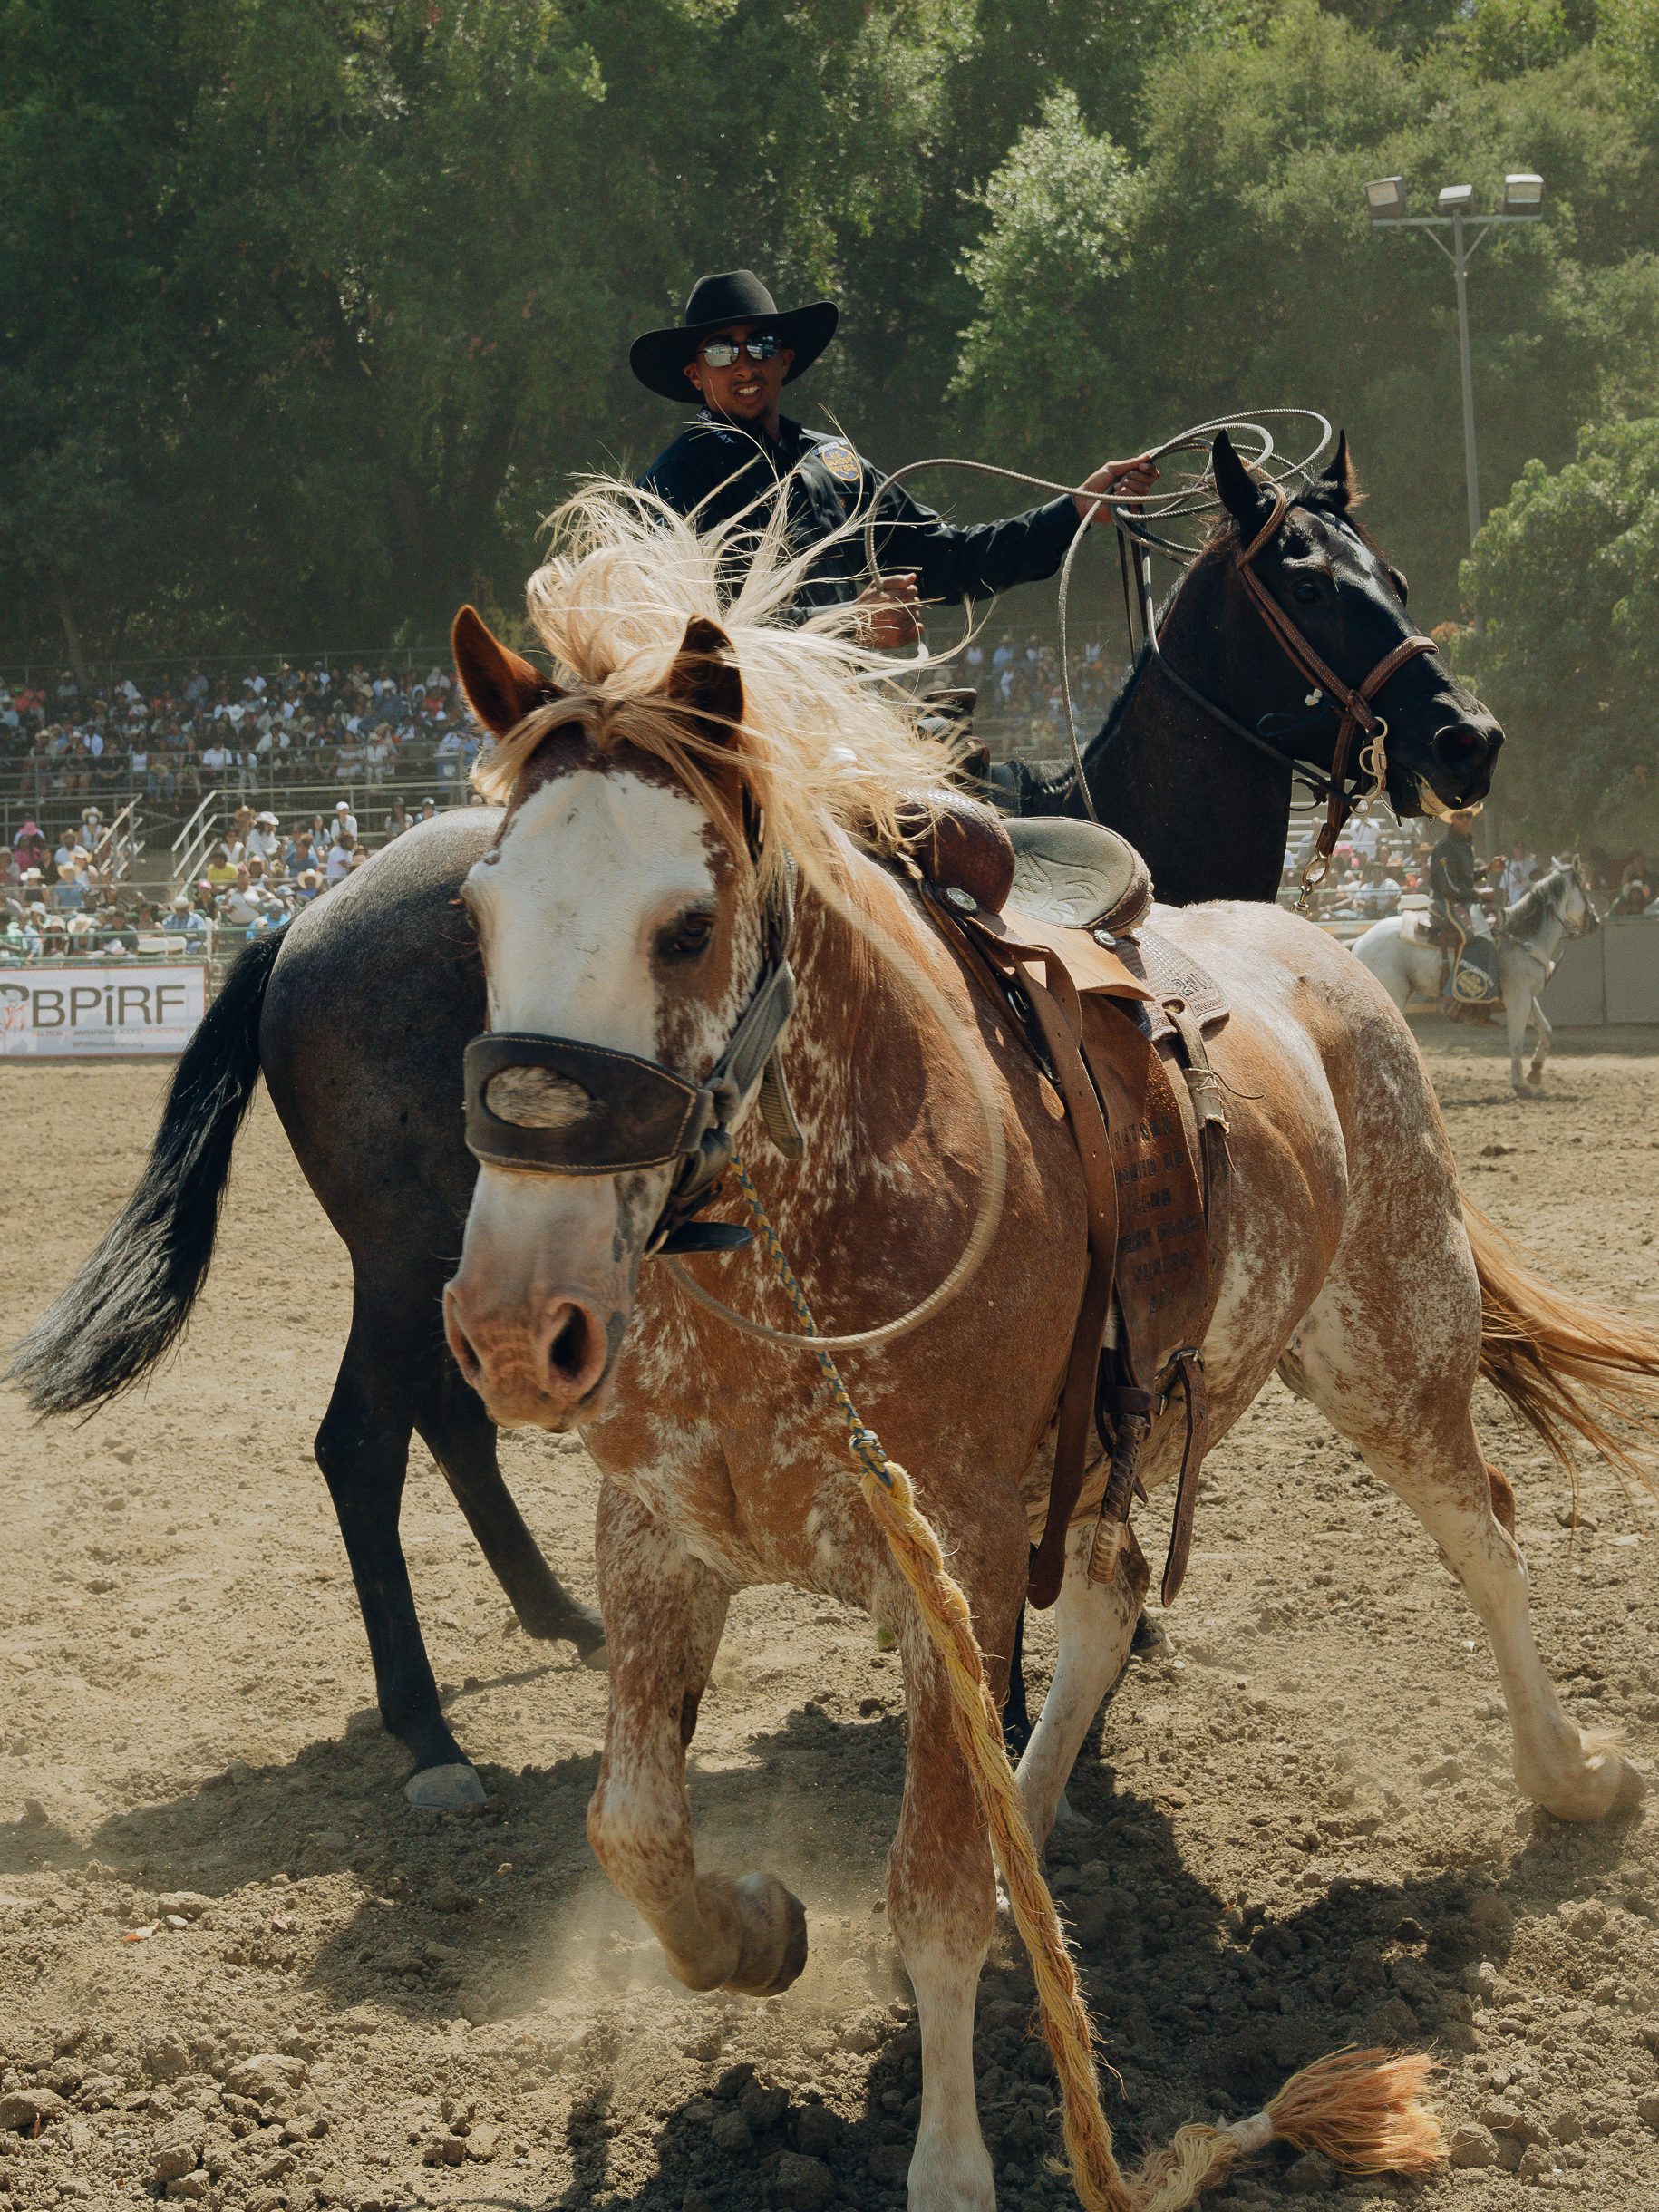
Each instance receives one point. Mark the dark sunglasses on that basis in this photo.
(721, 353)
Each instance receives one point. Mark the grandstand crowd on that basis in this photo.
(70, 899)
(180, 737)
(74, 755)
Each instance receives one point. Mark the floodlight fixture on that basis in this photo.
(1523, 203)
(1523, 194)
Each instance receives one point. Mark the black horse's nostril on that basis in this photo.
(1459, 747)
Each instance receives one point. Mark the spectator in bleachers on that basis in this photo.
(242, 901)
(1634, 898)
(184, 920)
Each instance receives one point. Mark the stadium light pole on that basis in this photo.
(1523, 203)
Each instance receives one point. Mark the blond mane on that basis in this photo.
(828, 744)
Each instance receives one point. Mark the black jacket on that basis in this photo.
(829, 482)
(1453, 874)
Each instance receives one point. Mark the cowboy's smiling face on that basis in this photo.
(748, 391)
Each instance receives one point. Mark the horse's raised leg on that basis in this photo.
(1389, 1354)
(1095, 1624)
(362, 1449)
(663, 1613)
(461, 1437)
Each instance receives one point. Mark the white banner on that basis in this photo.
(85, 1011)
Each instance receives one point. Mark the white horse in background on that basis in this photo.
(1530, 935)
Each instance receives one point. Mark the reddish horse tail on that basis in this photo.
(1563, 1362)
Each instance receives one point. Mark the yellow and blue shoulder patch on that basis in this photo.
(838, 457)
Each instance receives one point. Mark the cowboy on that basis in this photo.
(734, 351)
(1455, 894)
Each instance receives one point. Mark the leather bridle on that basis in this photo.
(618, 1113)
(1358, 770)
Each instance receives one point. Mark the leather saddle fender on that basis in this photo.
(1107, 1018)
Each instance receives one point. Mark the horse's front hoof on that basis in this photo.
(444, 1789)
(598, 1657)
(775, 1939)
(1598, 1782)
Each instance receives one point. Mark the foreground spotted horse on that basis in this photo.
(626, 910)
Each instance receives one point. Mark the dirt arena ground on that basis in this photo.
(237, 1967)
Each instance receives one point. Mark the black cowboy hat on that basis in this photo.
(736, 295)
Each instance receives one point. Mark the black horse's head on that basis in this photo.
(1349, 604)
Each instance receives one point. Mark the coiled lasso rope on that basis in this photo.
(1133, 513)
(1361, 2108)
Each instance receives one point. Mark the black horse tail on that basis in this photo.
(128, 1306)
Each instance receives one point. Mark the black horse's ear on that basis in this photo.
(501, 688)
(1340, 486)
(1242, 496)
(706, 681)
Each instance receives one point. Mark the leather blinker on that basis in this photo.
(555, 1106)
(604, 1113)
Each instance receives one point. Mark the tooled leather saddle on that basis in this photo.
(1048, 916)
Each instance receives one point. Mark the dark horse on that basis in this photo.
(387, 966)
(1210, 812)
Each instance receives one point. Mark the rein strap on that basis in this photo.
(1355, 700)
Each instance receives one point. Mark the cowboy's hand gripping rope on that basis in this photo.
(1361, 2108)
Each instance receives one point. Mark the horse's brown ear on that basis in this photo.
(704, 679)
(501, 688)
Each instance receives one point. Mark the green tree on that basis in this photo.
(1061, 217)
(1565, 573)
(1242, 269)
(328, 303)
(310, 310)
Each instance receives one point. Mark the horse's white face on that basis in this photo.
(600, 918)
(1578, 908)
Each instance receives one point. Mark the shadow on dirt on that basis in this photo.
(1206, 2003)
